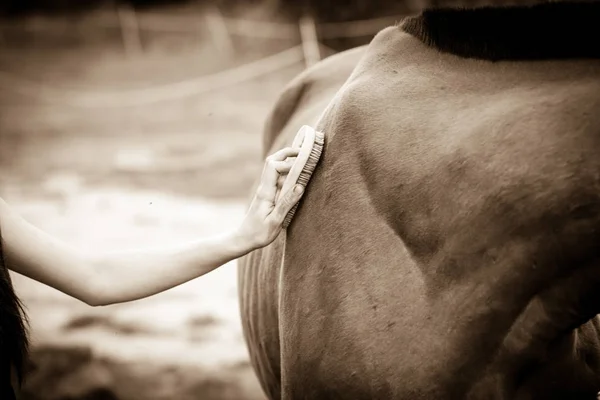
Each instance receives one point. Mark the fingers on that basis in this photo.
(272, 178)
(275, 165)
(284, 153)
(287, 201)
(280, 180)
(283, 167)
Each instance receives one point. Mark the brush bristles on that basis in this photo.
(307, 171)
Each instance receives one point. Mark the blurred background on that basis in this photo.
(130, 124)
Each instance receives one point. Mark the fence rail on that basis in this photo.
(309, 51)
(156, 94)
(151, 21)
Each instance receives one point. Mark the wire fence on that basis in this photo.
(162, 22)
(155, 94)
(306, 31)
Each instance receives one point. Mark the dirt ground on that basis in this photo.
(115, 178)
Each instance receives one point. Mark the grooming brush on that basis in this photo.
(310, 142)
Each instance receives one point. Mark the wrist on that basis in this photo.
(243, 242)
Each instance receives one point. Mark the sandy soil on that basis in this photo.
(134, 177)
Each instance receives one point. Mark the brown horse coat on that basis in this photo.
(448, 244)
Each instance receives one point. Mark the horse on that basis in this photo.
(447, 245)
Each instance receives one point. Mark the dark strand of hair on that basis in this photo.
(14, 343)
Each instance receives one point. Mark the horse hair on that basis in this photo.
(14, 343)
(543, 32)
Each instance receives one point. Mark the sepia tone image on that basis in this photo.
(298, 199)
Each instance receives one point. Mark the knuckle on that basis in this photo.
(277, 211)
(285, 206)
(290, 199)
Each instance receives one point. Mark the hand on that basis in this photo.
(268, 209)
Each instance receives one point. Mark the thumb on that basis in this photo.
(289, 200)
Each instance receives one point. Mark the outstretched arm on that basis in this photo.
(117, 277)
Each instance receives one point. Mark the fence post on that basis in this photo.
(326, 51)
(130, 31)
(310, 41)
(218, 31)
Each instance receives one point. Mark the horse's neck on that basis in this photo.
(544, 32)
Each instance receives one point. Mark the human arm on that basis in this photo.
(115, 277)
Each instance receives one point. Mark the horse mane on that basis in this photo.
(14, 343)
(548, 31)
